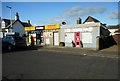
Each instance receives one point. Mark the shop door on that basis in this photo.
(77, 39)
(56, 38)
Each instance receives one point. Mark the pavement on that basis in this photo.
(109, 52)
(82, 51)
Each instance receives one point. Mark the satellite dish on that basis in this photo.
(63, 23)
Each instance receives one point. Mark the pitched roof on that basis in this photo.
(91, 19)
(25, 24)
(7, 22)
(113, 26)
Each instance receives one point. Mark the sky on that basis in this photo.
(42, 13)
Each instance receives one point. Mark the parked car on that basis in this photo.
(10, 42)
(7, 45)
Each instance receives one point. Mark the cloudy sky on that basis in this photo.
(41, 13)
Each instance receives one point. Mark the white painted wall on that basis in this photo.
(1, 34)
(92, 29)
(69, 37)
(18, 27)
(89, 22)
(3, 24)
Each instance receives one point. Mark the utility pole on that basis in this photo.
(10, 17)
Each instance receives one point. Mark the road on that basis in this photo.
(47, 63)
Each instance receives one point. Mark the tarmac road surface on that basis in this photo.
(55, 63)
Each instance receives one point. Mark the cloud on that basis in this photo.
(114, 15)
(57, 19)
(82, 11)
(77, 11)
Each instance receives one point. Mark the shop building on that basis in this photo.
(51, 35)
(36, 32)
(30, 32)
(39, 35)
(84, 34)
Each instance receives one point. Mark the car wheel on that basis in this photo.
(9, 47)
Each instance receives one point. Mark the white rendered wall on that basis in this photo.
(18, 27)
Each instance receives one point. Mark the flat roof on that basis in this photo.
(80, 25)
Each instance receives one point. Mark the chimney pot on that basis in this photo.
(79, 21)
(16, 16)
(28, 21)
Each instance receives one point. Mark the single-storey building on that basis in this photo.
(51, 35)
(36, 32)
(39, 34)
(83, 34)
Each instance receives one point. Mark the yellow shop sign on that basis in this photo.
(52, 26)
(30, 28)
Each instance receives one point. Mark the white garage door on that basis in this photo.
(56, 38)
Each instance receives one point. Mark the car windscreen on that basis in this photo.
(7, 38)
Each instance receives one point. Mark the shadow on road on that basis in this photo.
(22, 49)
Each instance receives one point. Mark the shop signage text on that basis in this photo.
(79, 29)
(39, 28)
(29, 28)
(52, 26)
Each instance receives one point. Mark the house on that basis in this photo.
(112, 29)
(0, 28)
(17, 26)
(83, 34)
(115, 32)
(5, 26)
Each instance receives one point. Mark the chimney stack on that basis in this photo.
(28, 21)
(16, 16)
(79, 21)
